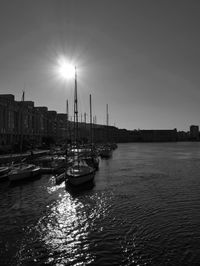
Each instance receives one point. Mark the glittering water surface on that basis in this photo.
(143, 209)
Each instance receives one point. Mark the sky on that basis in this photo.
(141, 57)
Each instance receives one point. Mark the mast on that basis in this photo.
(107, 116)
(67, 118)
(67, 110)
(107, 122)
(75, 110)
(93, 130)
(23, 95)
(22, 121)
(91, 135)
(85, 120)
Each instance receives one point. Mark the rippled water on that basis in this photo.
(143, 209)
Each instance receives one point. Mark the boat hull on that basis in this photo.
(24, 173)
(4, 173)
(35, 171)
(79, 178)
(4, 170)
(52, 164)
(19, 176)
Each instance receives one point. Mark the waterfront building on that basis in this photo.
(62, 127)
(9, 119)
(26, 120)
(158, 135)
(183, 136)
(40, 124)
(194, 132)
(52, 124)
(22, 124)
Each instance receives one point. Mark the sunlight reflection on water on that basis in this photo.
(65, 229)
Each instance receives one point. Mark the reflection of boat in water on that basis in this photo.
(23, 171)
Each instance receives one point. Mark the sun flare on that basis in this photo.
(65, 69)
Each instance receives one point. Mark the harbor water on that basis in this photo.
(143, 209)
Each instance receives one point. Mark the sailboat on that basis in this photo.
(23, 171)
(79, 173)
(106, 151)
(91, 156)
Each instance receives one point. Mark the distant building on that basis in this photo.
(183, 136)
(157, 135)
(194, 132)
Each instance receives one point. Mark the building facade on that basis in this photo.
(194, 132)
(23, 123)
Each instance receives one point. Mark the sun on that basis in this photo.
(65, 69)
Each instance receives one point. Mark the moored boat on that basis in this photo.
(79, 174)
(4, 170)
(92, 161)
(106, 149)
(51, 163)
(60, 178)
(105, 152)
(23, 171)
(90, 155)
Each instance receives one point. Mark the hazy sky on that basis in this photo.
(142, 58)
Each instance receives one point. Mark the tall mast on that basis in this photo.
(23, 95)
(22, 120)
(91, 135)
(107, 122)
(93, 128)
(75, 109)
(67, 109)
(67, 120)
(107, 117)
(85, 120)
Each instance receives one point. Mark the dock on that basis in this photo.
(8, 158)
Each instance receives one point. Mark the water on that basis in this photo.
(144, 209)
